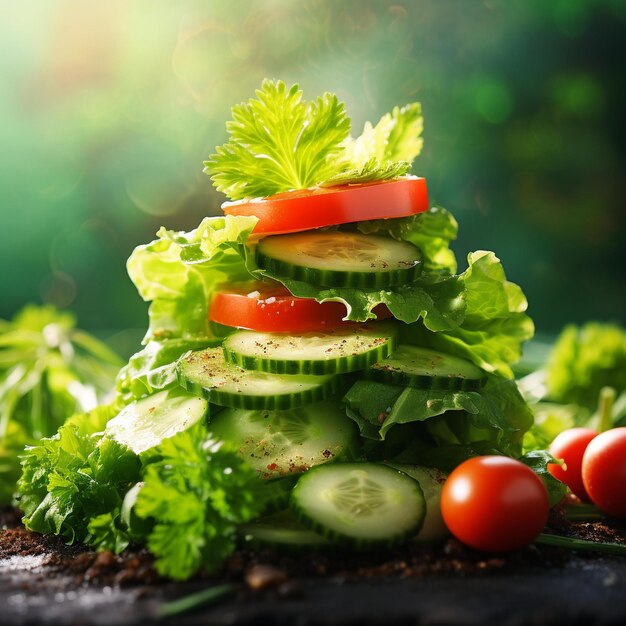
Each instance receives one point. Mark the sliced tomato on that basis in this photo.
(305, 209)
(271, 308)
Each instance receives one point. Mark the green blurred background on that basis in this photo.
(107, 110)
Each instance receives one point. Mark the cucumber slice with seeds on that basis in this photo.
(228, 385)
(422, 368)
(145, 423)
(276, 443)
(340, 259)
(345, 349)
(360, 504)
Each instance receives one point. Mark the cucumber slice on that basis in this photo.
(340, 259)
(334, 351)
(431, 481)
(276, 443)
(360, 504)
(228, 385)
(412, 366)
(145, 423)
(282, 530)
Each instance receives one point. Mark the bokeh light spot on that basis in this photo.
(493, 101)
(58, 289)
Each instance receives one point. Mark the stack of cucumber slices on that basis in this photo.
(277, 396)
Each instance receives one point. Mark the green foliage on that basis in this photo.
(182, 497)
(74, 476)
(549, 420)
(494, 325)
(452, 425)
(278, 142)
(585, 359)
(48, 370)
(179, 271)
(196, 490)
(384, 151)
(538, 461)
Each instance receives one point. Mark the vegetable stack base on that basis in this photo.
(43, 581)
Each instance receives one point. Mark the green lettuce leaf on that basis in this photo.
(448, 425)
(179, 271)
(154, 368)
(538, 461)
(585, 359)
(494, 326)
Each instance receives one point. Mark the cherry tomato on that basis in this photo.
(494, 503)
(271, 308)
(604, 471)
(326, 206)
(570, 445)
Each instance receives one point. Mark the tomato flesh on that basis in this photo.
(604, 471)
(494, 503)
(272, 308)
(570, 445)
(305, 209)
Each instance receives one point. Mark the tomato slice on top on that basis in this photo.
(267, 307)
(305, 209)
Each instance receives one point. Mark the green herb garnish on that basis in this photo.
(279, 142)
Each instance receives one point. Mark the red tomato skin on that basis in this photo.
(604, 472)
(494, 504)
(305, 209)
(276, 310)
(570, 445)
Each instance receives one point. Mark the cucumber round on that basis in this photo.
(360, 504)
(282, 530)
(340, 259)
(145, 423)
(228, 385)
(335, 351)
(277, 443)
(422, 368)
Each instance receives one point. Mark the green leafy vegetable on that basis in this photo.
(451, 425)
(550, 420)
(196, 491)
(384, 151)
(538, 461)
(585, 359)
(279, 142)
(183, 497)
(179, 271)
(75, 476)
(48, 370)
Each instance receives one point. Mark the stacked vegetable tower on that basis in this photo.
(318, 335)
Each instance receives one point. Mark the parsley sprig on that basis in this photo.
(279, 142)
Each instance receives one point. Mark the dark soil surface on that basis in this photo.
(43, 581)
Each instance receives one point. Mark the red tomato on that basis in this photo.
(494, 503)
(326, 206)
(271, 308)
(570, 445)
(604, 471)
